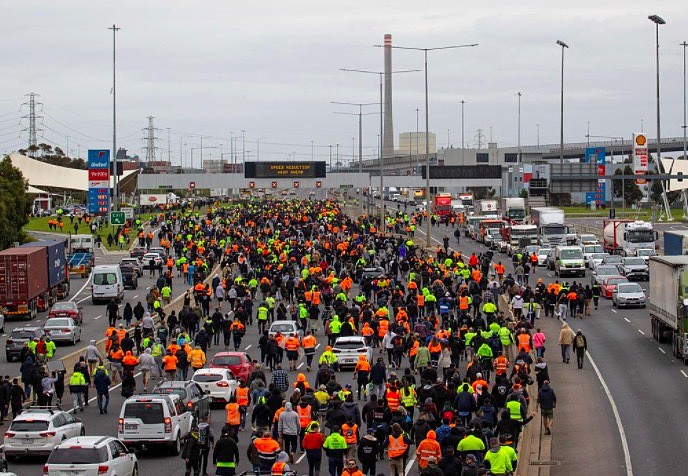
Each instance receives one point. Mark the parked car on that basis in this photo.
(634, 267)
(349, 348)
(218, 384)
(609, 285)
(240, 363)
(628, 294)
(67, 309)
(193, 397)
(19, 335)
(62, 329)
(130, 276)
(91, 455)
(135, 263)
(36, 431)
(150, 420)
(285, 328)
(604, 271)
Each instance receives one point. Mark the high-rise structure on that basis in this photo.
(388, 125)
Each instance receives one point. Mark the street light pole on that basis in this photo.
(462, 134)
(657, 20)
(115, 29)
(684, 191)
(561, 107)
(427, 121)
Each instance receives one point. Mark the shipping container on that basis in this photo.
(56, 260)
(23, 279)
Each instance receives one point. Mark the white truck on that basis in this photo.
(514, 210)
(489, 207)
(551, 225)
(669, 302)
(624, 237)
(517, 237)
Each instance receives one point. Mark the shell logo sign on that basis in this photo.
(640, 139)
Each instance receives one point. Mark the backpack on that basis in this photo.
(580, 341)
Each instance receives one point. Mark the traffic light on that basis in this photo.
(296, 184)
(318, 184)
(252, 184)
(274, 184)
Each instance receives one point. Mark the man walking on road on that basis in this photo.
(580, 345)
(566, 336)
(547, 401)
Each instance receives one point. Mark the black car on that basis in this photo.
(138, 252)
(129, 276)
(16, 339)
(191, 394)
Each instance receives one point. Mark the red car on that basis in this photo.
(239, 363)
(67, 309)
(609, 285)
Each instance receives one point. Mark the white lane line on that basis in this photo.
(684, 373)
(95, 319)
(409, 466)
(617, 416)
(641, 332)
(82, 300)
(661, 350)
(88, 280)
(300, 458)
(300, 365)
(317, 345)
(135, 297)
(614, 311)
(626, 319)
(248, 346)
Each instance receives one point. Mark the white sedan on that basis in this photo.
(542, 256)
(218, 384)
(348, 349)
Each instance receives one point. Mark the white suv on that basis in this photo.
(154, 420)
(38, 430)
(91, 455)
(349, 348)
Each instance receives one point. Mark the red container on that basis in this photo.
(23, 274)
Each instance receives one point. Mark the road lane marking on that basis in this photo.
(82, 300)
(617, 416)
(684, 373)
(641, 332)
(661, 350)
(626, 319)
(300, 365)
(300, 458)
(409, 466)
(318, 345)
(95, 319)
(248, 346)
(82, 288)
(614, 311)
(135, 297)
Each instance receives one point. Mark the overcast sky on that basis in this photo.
(271, 68)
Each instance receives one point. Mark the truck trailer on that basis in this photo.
(514, 210)
(624, 237)
(675, 242)
(669, 302)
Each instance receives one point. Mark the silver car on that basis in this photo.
(627, 295)
(349, 348)
(62, 329)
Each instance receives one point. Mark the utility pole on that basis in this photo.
(32, 129)
(479, 138)
(463, 144)
(337, 164)
(114, 29)
(150, 140)
(519, 126)
(330, 158)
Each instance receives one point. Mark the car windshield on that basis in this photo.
(634, 261)
(104, 278)
(646, 252)
(571, 254)
(32, 425)
(78, 455)
(58, 323)
(63, 306)
(172, 390)
(544, 251)
(615, 281)
(607, 271)
(599, 256)
(204, 378)
(594, 249)
(226, 360)
(282, 328)
(147, 412)
(629, 288)
(643, 236)
(21, 334)
(532, 249)
(350, 345)
(613, 259)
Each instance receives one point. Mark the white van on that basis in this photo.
(569, 260)
(106, 284)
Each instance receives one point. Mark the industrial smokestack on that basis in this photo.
(388, 127)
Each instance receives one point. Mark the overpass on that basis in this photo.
(333, 180)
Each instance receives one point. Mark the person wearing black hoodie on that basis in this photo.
(368, 449)
(547, 401)
(351, 410)
(450, 464)
(368, 410)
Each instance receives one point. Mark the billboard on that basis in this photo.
(98, 181)
(597, 155)
(273, 170)
(640, 157)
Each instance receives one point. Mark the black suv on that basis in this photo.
(129, 276)
(191, 395)
(17, 338)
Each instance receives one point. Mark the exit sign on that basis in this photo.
(117, 218)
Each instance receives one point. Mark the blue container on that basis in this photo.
(56, 257)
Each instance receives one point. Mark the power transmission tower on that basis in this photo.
(150, 140)
(32, 129)
(479, 138)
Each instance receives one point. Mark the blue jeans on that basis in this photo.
(27, 389)
(101, 406)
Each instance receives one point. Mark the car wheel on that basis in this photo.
(177, 447)
(135, 471)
